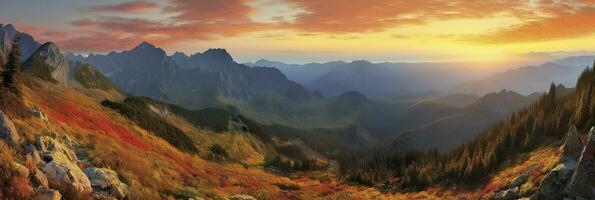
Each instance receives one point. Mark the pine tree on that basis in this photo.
(13, 67)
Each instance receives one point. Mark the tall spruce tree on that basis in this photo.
(12, 67)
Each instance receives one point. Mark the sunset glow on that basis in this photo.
(312, 30)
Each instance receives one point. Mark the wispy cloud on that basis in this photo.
(135, 6)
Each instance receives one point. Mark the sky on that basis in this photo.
(299, 31)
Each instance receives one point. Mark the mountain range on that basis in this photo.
(201, 80)
(374, 79)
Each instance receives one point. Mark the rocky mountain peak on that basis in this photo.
(218, 54)
(148, 48)
(179, 54)
(51, 55)
(572, 145)
(49, 49)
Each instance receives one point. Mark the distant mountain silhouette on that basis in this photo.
(524, 80)
(374, 79)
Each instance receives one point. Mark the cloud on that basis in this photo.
(135, 6)
(370, 16)
(561, 22)
(183, 20)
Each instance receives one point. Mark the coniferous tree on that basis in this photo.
(12, 67)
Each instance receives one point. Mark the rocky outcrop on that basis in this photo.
(574, 177)
(572, 145)
(552, 186)
(509, 194)
(519, 181)
(8, 132)
(39, 179)
(48, 194)
(39, 114)
(61, 169)
(242, 197)
(582, 183)
(22, 170)
(105, 182)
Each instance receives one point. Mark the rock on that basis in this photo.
(103, 179)
(34, 158)
(572, 145)
(242, 197)
(8, 132)
(509, 194)
(39, 114)
(582, 182)
(22, 170)
(39, 179)
(48, 194)
(62, 172)
(53, 149)
(518, 181)
(555, 180)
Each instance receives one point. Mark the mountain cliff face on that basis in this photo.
(50, 64)
(7, 35)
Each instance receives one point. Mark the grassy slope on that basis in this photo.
(112, 141)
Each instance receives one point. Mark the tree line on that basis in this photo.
(546, 120)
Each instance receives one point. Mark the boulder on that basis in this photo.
(8, 132)
(54, 149)
(39, 114)
(48, 194)
(103, 179)
(242, 197)
(22, 170)
(582, 182)
(509, 194)
(39, 179)
(554, 182)
(518, 181)
(573, 146)
(34, 158)
(66, 175)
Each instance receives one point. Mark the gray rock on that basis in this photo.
(62, 174)
(518, 181)
(103, 179)
(572, 145)
(242, 197)
(552, 186)
(8, 132)
(509, 194)
(52, 149)
(582, 182)
(39, 114)
(39, 179)
(61, 169)
(48, 194)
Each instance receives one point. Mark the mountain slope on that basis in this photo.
(453, 130)
(539, 125)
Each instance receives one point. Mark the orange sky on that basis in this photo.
(317, 30)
